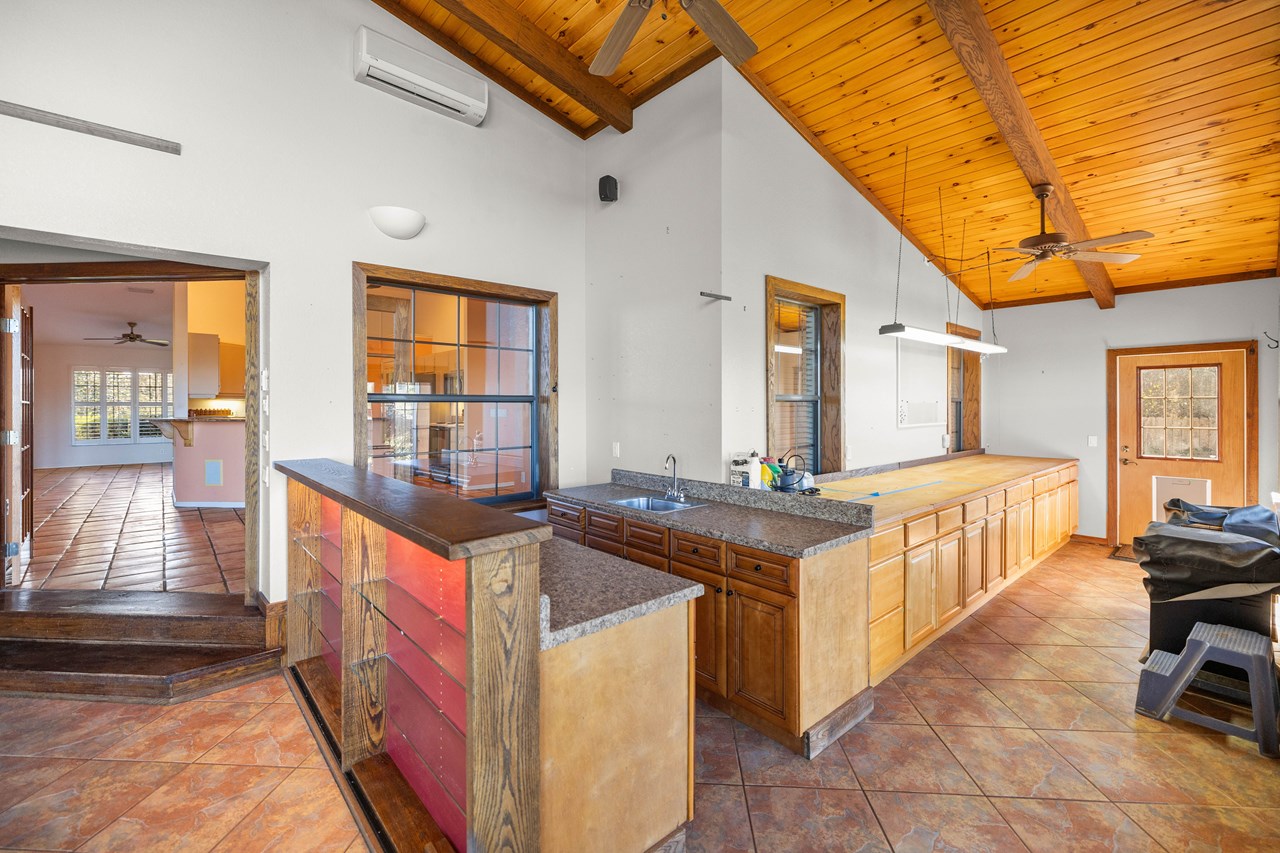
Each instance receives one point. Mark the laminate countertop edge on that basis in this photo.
(763, 529)
(585, 591)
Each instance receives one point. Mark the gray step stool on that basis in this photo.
(1166, 676)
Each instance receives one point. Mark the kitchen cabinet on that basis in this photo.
(975, 560)
(710, 657)
(231, 370)
(761, 633)
(1026, 535)
(203, 368)
(950, 576)
(994, 556)
(921, 616)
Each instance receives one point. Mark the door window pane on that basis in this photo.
(1179, 412)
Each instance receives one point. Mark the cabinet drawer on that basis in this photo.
(974, 509)
(645, 558)
(887, 641)
(763, 568)
(887, 586)
(698, 551)
(1068, 475)
(602, 525)
(922, 530)
(885, 544)
(1040, 485)
(995, 502)
(606, 545)
(647, 537)
(950, 518)
(558, 513)
(573, 534)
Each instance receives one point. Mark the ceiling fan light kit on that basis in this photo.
(718, 25)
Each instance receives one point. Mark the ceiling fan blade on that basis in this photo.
(1114, 238)
(1104, 257)
(157, 343)
(1017, 249)
(102, 339)
(118, 343)
(724, 32)
(1025, 270)
(619, 38)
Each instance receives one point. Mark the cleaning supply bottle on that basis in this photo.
(767, 476)
(753, 471)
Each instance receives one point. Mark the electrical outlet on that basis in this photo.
(946, 440)
(1093, 441)
(617, 450)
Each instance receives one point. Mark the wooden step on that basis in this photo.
(187, 618)
(156, 673)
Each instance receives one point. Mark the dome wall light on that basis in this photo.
(400, 223)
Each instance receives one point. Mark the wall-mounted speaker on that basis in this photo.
(608, 188)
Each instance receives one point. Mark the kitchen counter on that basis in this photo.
(764, 529)
(585, 591)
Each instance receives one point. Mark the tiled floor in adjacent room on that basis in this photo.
(115, 527)
(236, 771)
(1014, 731)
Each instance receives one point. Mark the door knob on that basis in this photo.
(1126, 462)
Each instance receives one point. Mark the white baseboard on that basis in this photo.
(206, 504)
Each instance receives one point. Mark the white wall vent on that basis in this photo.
(398, 69)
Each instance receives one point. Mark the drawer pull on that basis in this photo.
(759, 567)
(695, 550)
(719, 590)
(729, 593)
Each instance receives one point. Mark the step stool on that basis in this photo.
(1166, 676)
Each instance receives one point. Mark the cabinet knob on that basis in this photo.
(695, 550)
(729, 593)
(758, 567)
(719, 590)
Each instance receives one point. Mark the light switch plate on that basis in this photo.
(1093, 441)
(617, 450)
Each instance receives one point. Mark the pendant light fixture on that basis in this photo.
(902, 330)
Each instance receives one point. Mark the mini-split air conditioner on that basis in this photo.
(398, 69)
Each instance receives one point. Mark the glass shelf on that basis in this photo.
(323, 551)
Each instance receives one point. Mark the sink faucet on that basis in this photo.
(673, 491)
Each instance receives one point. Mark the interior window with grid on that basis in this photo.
(1179, 412)
(113, 405)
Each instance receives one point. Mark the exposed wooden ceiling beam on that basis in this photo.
(974, 43)
(517, 35)
(846, 173)
(88, 271)
(449, 44)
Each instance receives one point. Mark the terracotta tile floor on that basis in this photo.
(235, 771)
(115, 527)
(1014, 731)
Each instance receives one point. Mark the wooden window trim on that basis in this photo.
(971, 382)
(831, 409)
(545, 303)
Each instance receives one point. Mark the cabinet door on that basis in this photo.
(1045, 515)
(975, 548)
(995, 549)
(709, 660)
(950, 577)
(231, 369)
(203, 372)
(762, 637)
(921, 615)
(1064, 512)
(1012, 526)
(1026, 539)
(1073, 505)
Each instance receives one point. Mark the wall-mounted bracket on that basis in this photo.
(184, 429)
(719, 296)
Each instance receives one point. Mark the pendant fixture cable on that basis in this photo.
(991, 301)
(902, 225)
(946, 282)
(964, 226)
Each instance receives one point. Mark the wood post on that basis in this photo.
(304, 575)
(364, 638)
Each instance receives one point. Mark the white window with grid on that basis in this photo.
(112, 405)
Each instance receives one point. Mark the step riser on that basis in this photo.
(162, 689)
(135, 629)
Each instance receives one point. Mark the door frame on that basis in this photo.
(170, 271)
(1250, 348)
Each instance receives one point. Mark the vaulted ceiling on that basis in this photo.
(1156, 115)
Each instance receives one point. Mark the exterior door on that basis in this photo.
(1185, 426)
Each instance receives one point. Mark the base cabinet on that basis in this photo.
(761, 631)
(921, 610)
(975, 557)
(994, 557)
(710, 657)
(950, 576)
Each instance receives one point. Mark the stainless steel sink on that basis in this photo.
(653, 504)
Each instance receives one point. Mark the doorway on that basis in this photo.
(1182, 422)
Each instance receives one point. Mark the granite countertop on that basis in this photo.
(585, 591)
(765, 529)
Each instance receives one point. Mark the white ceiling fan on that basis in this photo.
(132, 337)
(1046, 246)
(724, 32)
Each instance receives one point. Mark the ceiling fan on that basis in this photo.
(131, 337)
(1046, 246)
(720, 27)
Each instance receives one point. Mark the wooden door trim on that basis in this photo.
(1250, 348)
(830, 306)
(970, 426)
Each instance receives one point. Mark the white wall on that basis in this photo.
(653, 343)
(1049, 393)
(53, 366)
(718, 191)
(282, 154)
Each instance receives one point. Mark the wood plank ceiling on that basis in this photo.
(1156, 115)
